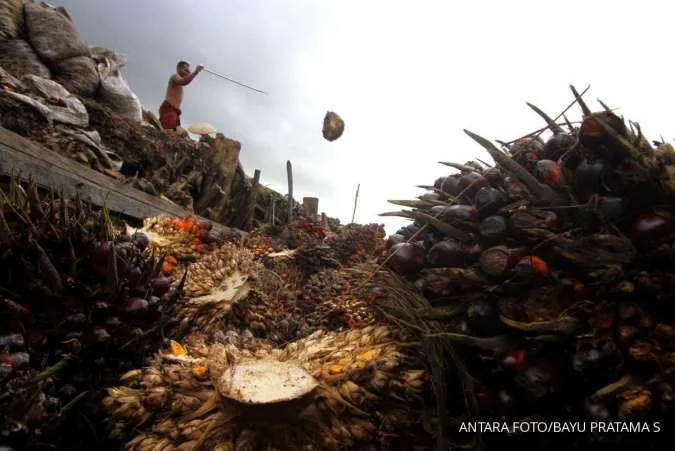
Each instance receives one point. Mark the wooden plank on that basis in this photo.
(19, 155)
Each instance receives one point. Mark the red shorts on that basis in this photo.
(169, 116)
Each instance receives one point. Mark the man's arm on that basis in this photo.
(184, 81)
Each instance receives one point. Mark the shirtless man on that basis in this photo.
(169, 112)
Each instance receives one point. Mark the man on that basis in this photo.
(169, 112)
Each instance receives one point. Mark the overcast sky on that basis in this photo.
(407, 77)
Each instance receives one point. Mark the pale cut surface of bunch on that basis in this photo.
(202, 128)
(335, 390)
(214, 283)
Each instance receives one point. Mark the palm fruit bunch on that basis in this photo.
(281, 312)
(269, 239)
(212, 284)
(302, 232)
(274, 318)
(275, 307)
(311, 259)
(300, 245)
(344, 311)
(259, 244)
(295, 266)
(326, 284)
(272, 308)
(80, 304)
(183, 238)
(227, 289)
(357, 243)
(313, 248)
(331, 283)
(341, 298)
(312, 227)
(551, 274)
(330, 390)
(333, 126)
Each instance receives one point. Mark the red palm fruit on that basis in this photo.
(99, 334)
(527, 151)
(113, 322)
(494, 228)
(515, 359)
(484, 400)
(548, 172)
(532, 265)
(99, 258)
(654, 227)
(430, 196)
(136, 305)
(557, 145)
(494, 176)
(446, 253)
(593, 136)
(160, 285)
(488, 200)
(406, 258)
(140, 240)
(470, 183)
(205, 225)
(450, 185)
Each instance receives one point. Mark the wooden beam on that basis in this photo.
(310, 207)
(227, 159)
(273, 212)
(251, 202)
(24, 157)
(289, 172)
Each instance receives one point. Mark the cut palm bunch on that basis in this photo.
(213, 284)
(330, 390)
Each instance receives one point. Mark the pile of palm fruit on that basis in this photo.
(277, 354)
(549, 282)
(80, 304)
(117, 336)
(535, 288)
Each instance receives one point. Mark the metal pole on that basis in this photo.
(233, 81)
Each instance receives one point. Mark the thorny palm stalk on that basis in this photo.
(403, 307)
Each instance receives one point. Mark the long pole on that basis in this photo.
(356, 199)
(233, 81)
